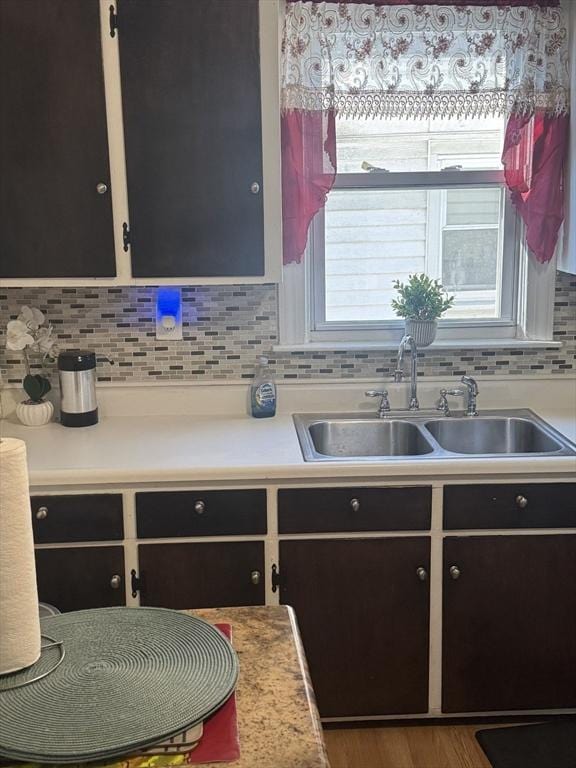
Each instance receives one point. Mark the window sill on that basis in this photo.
(355, 346)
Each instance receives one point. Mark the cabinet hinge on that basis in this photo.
(275, 577)
(135, 583)
(113, 19)
(125, 236)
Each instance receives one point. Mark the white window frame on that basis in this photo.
(526, 321)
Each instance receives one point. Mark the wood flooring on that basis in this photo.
(418, 746)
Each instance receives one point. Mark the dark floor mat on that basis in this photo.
(545, 745)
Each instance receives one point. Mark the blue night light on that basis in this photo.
(169, 312)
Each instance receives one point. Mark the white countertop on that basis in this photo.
(127, 450)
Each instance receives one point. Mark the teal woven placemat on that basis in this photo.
(130, 678)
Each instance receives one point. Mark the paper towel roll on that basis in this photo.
(19, 619)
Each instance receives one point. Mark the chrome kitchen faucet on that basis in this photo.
(399, 373)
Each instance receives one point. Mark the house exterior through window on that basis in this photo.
(415, 196)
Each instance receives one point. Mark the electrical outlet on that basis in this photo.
(168, 313)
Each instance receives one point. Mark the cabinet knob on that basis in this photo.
(101, 188)
(422, 573)
(199, 507)
(355, 505)
(454, 572)
(42, 513)
(255, 577)
(254, 187)
(521, 501)
(115, 581)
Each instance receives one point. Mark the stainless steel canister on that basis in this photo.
(77, 374)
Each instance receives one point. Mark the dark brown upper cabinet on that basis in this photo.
(190, 76)
(55, 219)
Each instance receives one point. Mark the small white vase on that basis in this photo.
(422, 331)
(35, 414)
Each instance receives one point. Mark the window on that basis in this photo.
(414, 196)
(411, 196)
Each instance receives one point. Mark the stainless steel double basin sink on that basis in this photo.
(354, 437)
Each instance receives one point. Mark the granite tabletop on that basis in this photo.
(278, 721)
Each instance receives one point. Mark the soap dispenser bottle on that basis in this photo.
(263, 391)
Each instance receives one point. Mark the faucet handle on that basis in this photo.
(398, 375)
(442, 404)
(384, 403)
(383, 393)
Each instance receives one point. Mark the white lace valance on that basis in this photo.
(424, 60)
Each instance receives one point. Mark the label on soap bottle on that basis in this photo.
(263, 400)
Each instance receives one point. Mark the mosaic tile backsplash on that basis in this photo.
(227, 327)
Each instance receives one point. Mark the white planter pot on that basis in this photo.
(422, 331)
(35, 414)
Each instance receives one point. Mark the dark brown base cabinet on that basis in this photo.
(73, 578)
(202, 575)
(509, 629)
(363, 610)
(355, 563)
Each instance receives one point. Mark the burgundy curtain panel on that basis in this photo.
(308, 173)
(534, 157)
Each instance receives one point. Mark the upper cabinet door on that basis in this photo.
(192, 123)
(55, 219)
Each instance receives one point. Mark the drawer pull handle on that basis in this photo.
(199, 507)
(422, 573)
(454, 572)
(116, 581)
(255, 578)
(521, 501)
(42, 513)
(355, 505)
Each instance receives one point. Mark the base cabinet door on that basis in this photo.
(73, 578)
(211, 575)
(363, 610)
(509, 626)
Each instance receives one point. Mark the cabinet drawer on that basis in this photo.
(94, 517)
(514, 505)
(316, 510)
(200, 513)
(74, 578)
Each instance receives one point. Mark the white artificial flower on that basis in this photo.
(32, 317)
(17, 336)
(44, 340)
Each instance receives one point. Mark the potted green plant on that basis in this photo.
(421, 302)
(30, 333)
